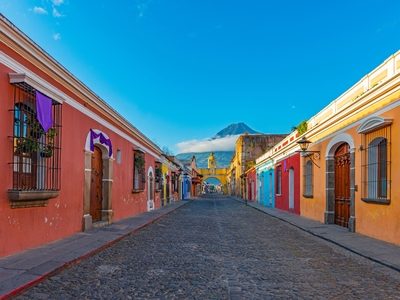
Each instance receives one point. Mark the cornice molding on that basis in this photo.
(17, 67)
(29, 50)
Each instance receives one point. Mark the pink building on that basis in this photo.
(68, 160)
(251, 184)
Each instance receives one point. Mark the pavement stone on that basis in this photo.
(376, 250)
(20, 271)
(217, 248)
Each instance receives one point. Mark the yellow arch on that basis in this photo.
(218, 173)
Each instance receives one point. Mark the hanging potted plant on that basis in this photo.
(48, 149)
(26, 145)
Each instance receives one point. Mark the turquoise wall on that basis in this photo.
(266, 186)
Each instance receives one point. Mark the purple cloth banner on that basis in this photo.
(103, 141)
(43, 111)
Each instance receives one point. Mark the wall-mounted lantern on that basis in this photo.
(304, 143)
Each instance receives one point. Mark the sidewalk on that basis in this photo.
(378, 251)
(23, 270)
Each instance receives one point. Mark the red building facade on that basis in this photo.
(251, 184)
(91, 167)
(287, 183)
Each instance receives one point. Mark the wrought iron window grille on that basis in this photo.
(36, 154)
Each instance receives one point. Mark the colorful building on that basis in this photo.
(265, 181)
(279, 175)
(247, 148)
(351, 178)
(69, 161)
(348, 167)
(287, 183)
(251, 183)
(213, 172)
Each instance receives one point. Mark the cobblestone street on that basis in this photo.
(217, 248)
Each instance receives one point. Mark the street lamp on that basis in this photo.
(304, 143)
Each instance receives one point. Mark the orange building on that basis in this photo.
(68, 160)
(350, 177)
(350, 158)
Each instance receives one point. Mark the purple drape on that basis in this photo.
(103, 141)
(43, 111)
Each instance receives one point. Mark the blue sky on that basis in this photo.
(182, 70)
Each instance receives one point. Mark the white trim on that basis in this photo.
(24, 78)
(376, 113)
(373, 123)
(338, 139)
(97, 142)
(150, 170)
(19, 68)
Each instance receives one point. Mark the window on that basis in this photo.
(376, 166)
(279, 180)
(139, 178)
(308, 179)
(36, 151)
(119, 156)
(158, 176)
(151, 186)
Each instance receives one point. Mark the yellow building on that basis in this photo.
(212, 171)
(247, 148)
(350, 168)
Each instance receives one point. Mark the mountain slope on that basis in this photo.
(234, 129)
(223, 158)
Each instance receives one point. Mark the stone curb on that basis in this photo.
(378, 261)
(18, 290)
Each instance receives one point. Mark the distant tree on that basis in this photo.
(167, 151)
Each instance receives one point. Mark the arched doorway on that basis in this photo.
(97, 209)
(261, 187)
(342, 185)
(150, 190)
(167, 192)
(340, 182)
(271, 189)
(96, 182)
(291, 188)
(212, 185)
(162, 195)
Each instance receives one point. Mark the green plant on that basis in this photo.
(157, 173)
(48, 149)
(139, 161)
(301, 128)
(26, 145)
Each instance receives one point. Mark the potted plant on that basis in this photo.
(26, 145)
(48, 149)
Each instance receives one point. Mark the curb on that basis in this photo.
(325, 238)
(26, 286)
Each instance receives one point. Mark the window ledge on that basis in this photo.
(138, 191)
(376, 201)
(20, 199)
(308, 196)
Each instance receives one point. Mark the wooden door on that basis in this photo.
(342, 185)
(167, 188)
(96, 185)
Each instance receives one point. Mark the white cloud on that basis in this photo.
(56, 13)
(39, 10)
(57, 36)
(142, 6)
(223, 144)
(58, 2)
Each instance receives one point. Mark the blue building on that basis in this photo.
(266, 182)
